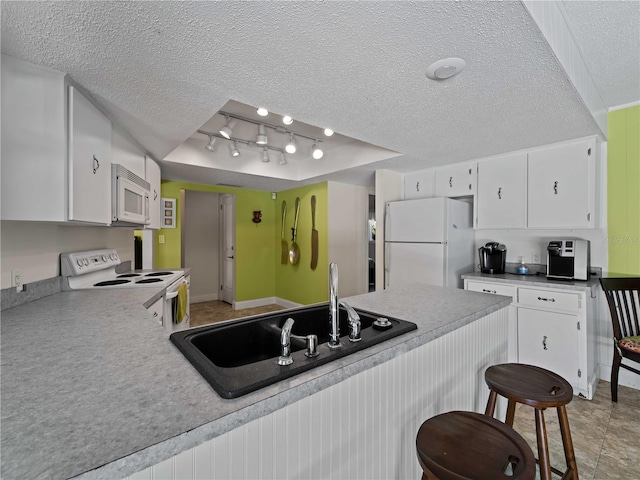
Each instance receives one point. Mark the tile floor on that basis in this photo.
(605, 435)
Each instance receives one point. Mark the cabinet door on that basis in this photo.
(501, 196)
(89, 161)
(419, 185)
(549, 340)
(152, 175)
(456, 181)
(560, 186)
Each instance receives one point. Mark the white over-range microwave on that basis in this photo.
(129, 198)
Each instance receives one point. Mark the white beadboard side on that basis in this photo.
(362, 428)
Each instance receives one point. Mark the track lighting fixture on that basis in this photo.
(227, 130)
(287, 120)
(283, 161)
(261, 138)
(233, 148)
(291, 146)
(328, 132)
(265, 155)
(317, 152)
(210, 145)
(263, 112)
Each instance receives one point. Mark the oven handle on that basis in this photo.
(174, 291)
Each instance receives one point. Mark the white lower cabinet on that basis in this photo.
(551, 328)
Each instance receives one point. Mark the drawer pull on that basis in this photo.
(542, 299)
(155, 314)
(544, 343)
(489, 291)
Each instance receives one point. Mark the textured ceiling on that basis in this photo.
(163, 69)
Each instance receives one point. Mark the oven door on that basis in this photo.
(172, 309)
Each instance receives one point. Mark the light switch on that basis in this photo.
(160, 238)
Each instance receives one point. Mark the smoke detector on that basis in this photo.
(445, 68)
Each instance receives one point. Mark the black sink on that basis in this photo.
(240, 357)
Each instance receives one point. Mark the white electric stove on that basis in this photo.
(96, 269)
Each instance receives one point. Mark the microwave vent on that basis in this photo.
(129, 175)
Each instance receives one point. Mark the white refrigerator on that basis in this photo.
(428, 241)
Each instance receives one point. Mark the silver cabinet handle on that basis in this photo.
(555, 187)
(230, 257)
(155, 314)
(542, 299)
(489, 291)
(96, 164)
(450, 181)
(499, 193)
(544, 343)
(155, 194)
(417, 186)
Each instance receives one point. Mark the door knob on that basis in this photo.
(230, 256)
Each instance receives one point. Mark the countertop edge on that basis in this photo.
(591, 286)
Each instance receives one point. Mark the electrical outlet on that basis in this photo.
(16, 280)
(160, 238)
(535, 258)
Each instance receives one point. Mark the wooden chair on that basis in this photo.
(623, 296)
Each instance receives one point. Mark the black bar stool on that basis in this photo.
(540, 389)
(467, 445)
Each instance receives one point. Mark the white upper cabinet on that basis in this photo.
(502, 194)
(127, 152)
(50, 137)
(456, 181)
(89, 161)
(152, 175)
(419, 184)
(561, 181)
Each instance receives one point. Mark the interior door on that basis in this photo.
(228, 250)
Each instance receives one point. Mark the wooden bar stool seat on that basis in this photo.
(540, 389)
(468, 445)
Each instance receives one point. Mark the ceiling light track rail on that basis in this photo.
(277, 128)
(240, 140)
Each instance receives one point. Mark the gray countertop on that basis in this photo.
(92, 387)
(591, 286)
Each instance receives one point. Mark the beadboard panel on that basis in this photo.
(362, 428)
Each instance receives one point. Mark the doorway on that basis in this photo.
(372, 243)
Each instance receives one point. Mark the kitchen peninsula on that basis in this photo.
(92, 387)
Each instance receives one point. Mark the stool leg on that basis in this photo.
(567, 442)
(511, 413)
(543, 447)
(491, 404)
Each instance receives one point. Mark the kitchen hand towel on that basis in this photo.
(181, 310)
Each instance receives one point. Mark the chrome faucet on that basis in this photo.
(334, 319)
(354, 322)
(334, 313)
(285, 343)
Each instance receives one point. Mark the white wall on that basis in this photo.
(34, 248)
(348, 213)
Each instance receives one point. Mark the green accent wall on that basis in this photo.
(299, 283)
(623, 191)
(259, 273)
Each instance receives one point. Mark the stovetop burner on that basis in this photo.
(108, 283)
(158, 274)
(150, 280)
(126, 275)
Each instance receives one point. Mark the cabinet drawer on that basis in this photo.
(549, 300)
(492, 288)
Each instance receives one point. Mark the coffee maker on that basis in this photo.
(493, 257)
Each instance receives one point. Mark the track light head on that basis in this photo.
(287, 120)
(261, 138)
(328, 132)
(263, 112)
(210, 145)
(283, 161)
(227, 130)
(317, 152)
(291, 146)
(265, 155)
(233, 148)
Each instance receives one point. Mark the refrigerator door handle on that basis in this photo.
(387, 264)
(387, 221)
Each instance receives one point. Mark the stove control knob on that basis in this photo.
(86, 262)
(79, 262)
(104, 258)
